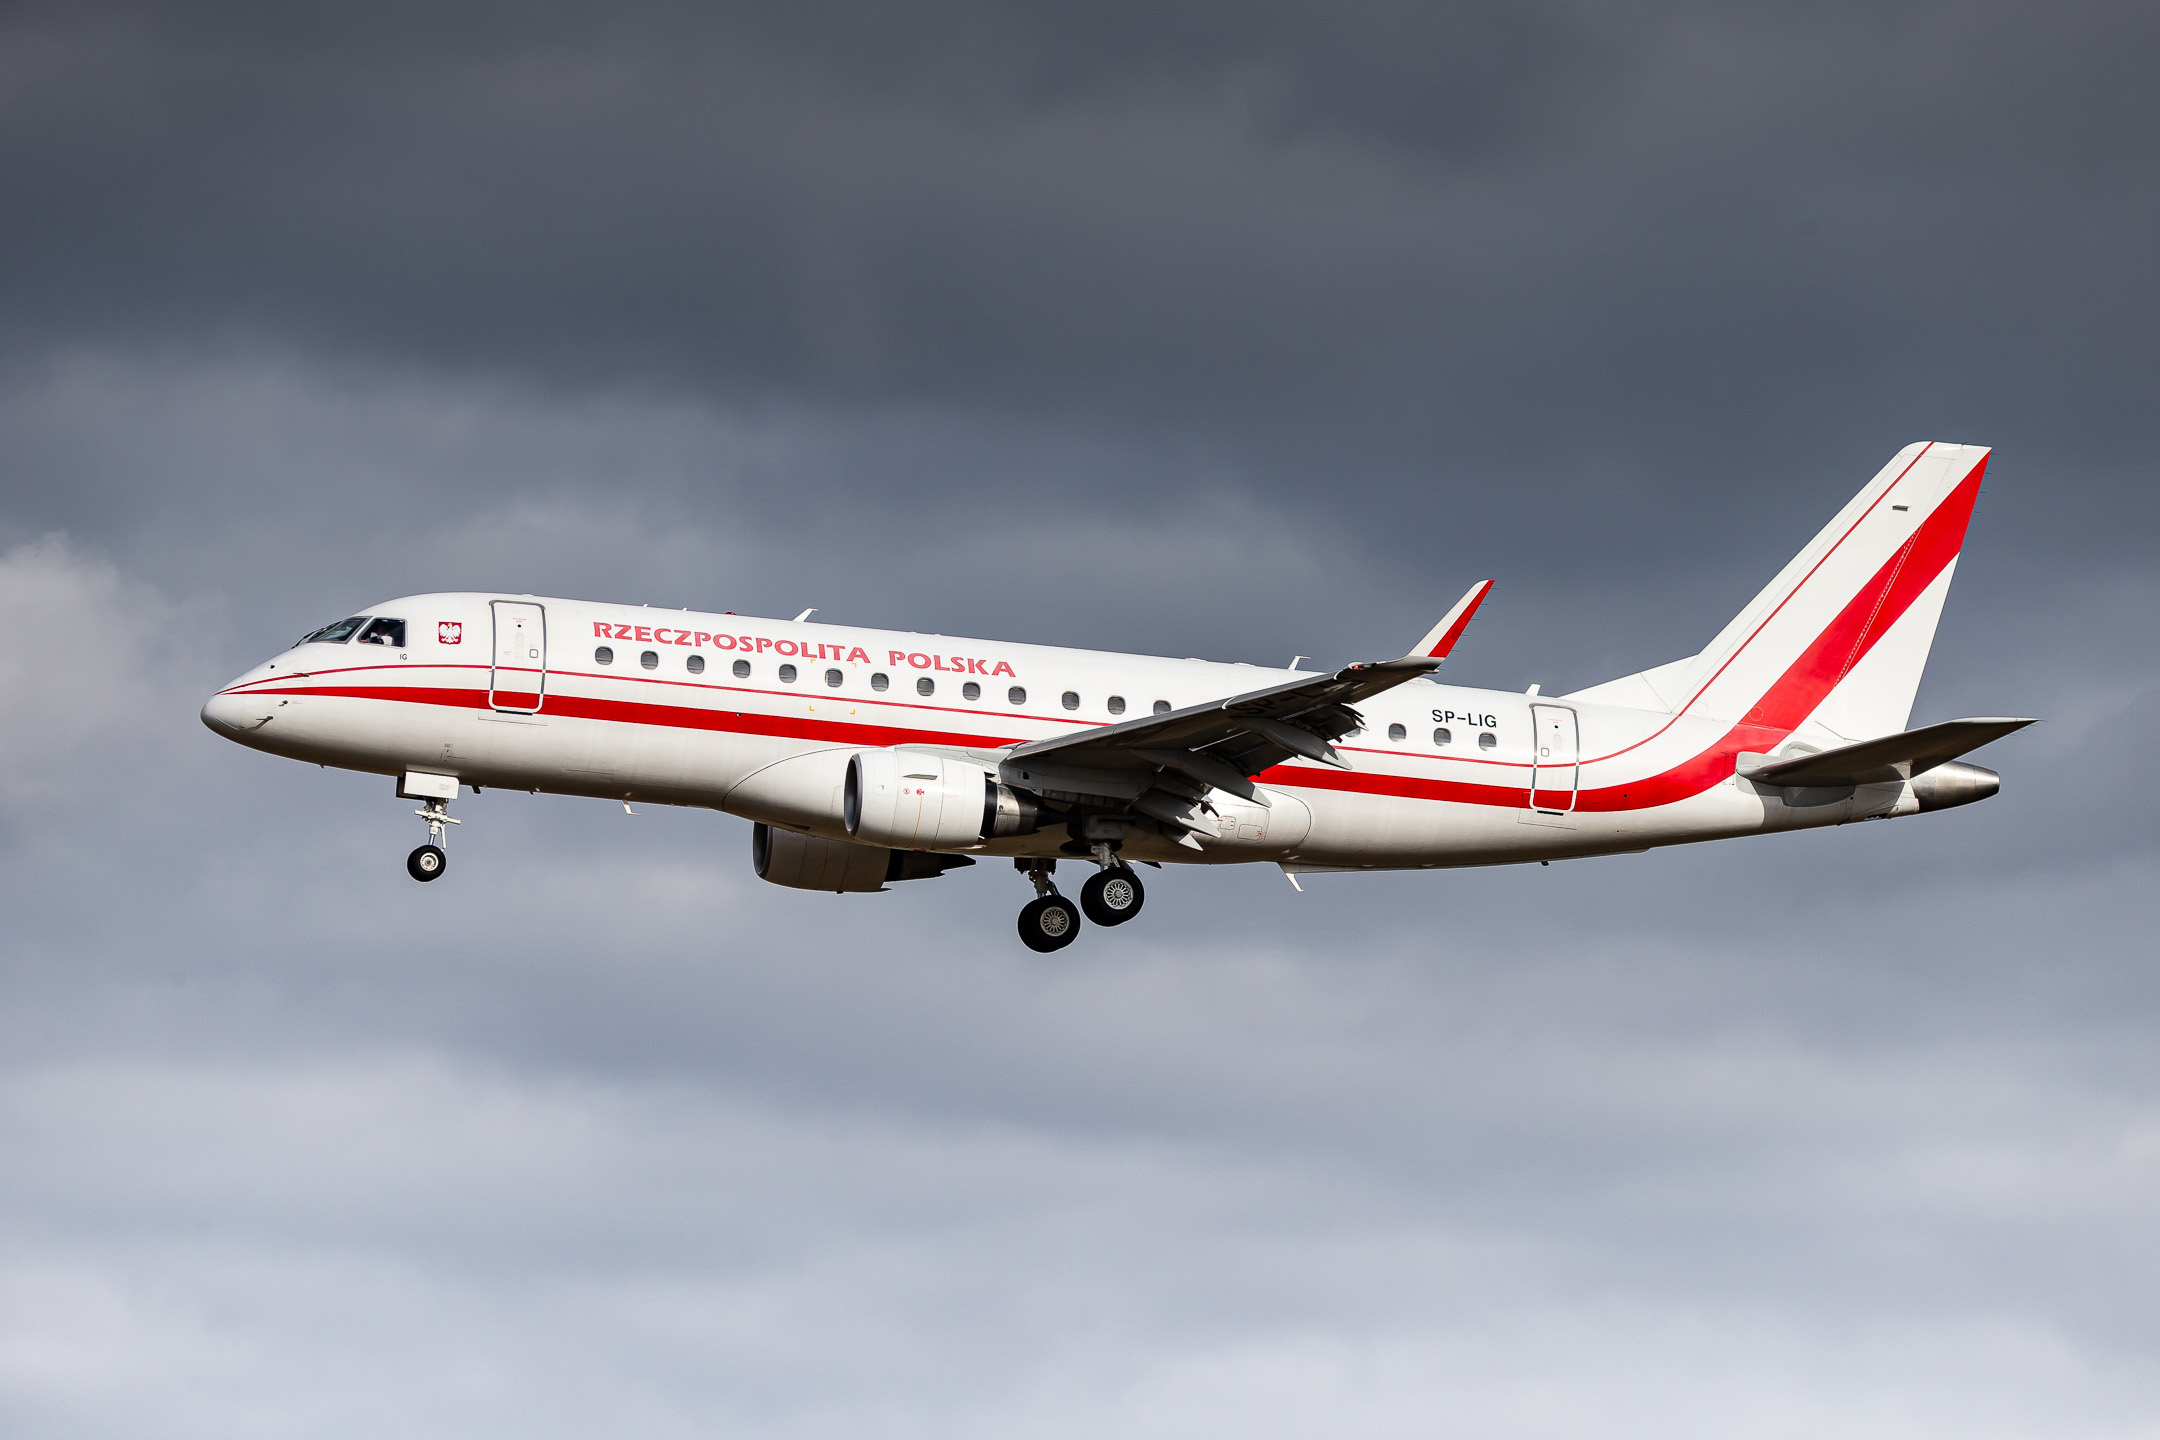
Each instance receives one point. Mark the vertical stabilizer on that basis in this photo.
(1843, 632)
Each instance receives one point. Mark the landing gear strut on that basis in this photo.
(1049, 921)
(428, 862)
(1112, 895)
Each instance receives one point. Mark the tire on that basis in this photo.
(427, 863)
(1050, 923)
(1112, 896)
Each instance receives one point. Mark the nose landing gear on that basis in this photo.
(1049, 921)
(428, 862)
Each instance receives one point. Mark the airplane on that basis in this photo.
(868, 757)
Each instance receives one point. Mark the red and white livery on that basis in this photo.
(865, 757)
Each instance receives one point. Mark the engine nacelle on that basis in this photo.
(804, 862)
(921, 800)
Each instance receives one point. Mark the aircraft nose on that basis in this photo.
(226, 714)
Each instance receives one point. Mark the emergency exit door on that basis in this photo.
(518, 681)
(1555, 759)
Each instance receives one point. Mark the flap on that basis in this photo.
(1163, 766)
(1237, 737)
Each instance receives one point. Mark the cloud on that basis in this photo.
(1438, 231)
(93, 672)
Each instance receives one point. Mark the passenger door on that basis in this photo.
(1555, 757)
(518, 682)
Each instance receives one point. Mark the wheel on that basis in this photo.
(427, 863)
(1049, 924)
(1112, 896)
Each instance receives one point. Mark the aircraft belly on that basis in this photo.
(1393, 832)
(662, 764)
(342, 732)
(1387, 831)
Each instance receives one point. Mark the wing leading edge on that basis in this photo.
(1163, 765)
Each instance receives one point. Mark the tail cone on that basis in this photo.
(1954, 783)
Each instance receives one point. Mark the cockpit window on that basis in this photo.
(336, 634)
(384, 631)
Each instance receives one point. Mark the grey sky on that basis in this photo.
(1224, 330)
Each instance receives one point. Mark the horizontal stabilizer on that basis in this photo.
(1893, 757)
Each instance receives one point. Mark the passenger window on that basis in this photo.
(336, 634)
(1443, 736)
(926, 686)
(1115, 704)
(787, 674)
(1485, 740)
(384, 632)
(650, 659)
(605, 655)
(742, 669)
(880, 680)
(1016, 695)
(695, 664)
(971, 691)
(1396, 732)
(1070, 700)
(1162, 707)
(832, 678)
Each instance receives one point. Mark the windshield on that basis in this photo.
(384, 631)
(336, 634)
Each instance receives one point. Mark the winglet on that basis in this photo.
(1443, 636)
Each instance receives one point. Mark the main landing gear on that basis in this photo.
(1049, 921)
(1111, 896)
(428, 862)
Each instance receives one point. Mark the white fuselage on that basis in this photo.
(677, 708)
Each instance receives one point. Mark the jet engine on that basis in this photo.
(804, 862)
(919, 799)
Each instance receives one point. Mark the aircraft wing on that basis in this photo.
(1892, 757)
(1244, 734)
(1162, 766)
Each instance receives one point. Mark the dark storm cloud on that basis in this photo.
(1420, 211)
(1433, 272)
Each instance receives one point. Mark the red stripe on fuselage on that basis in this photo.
(1788, 702)
(1808, 681)
(680, 717)
(1866, 618)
